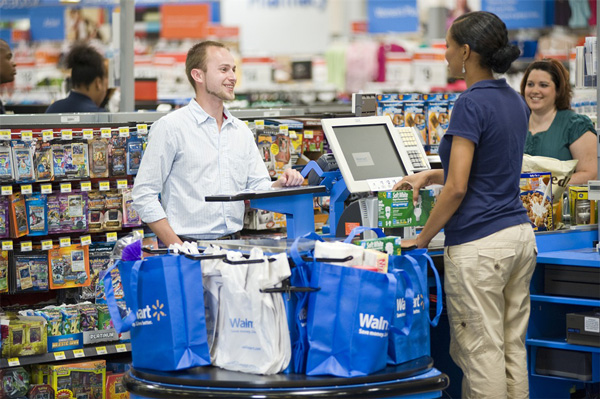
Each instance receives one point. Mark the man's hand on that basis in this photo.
(290, 178)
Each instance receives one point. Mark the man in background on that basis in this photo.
(8, 68)
(89, 80)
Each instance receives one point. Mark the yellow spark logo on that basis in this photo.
(158, 310)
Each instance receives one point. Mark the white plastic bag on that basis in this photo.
(253, 335)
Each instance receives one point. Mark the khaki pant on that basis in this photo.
(487, 295)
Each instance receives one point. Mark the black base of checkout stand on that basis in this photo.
(415, 379)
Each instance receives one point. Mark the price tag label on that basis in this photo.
(87, 134)
(65, 187)
(5, 134)
(13, 361)
(64, 242)
(47, 245)
(86, 186)
(6, 190)
(308, 134)
(46, 188)
(104, 185)
(101, 350)
(47, 134)
(124, 131)
(26, 135)
(78, 353)
(122, 183)
(140, 232)
(105, 133)
(142, 128)
(259, 124)
(86, 240)
(59, 356)
(283, 129)
(26, 246)
(26, 189)
(66, 134)
(111, 236)
(7, 245)
(121, 348)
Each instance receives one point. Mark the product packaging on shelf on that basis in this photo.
(78, 380)
(23, 336)
(582, 209)
(69, 266)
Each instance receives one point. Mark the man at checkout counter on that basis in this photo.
(201, 150)
(490, 249)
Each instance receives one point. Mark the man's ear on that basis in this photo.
(197, 75)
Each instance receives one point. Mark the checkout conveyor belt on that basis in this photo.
(415, 379)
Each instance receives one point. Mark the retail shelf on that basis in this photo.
(86, 352)
(560, 343)
(565, 300)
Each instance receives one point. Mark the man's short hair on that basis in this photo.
(197, 58)
(86, 64)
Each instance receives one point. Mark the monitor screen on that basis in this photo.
(368, 150)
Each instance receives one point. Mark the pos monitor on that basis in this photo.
(372, 153)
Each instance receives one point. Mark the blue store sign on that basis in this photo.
(393, 16)
(517, 14)
(47, 23)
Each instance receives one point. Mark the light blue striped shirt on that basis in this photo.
(187, 159)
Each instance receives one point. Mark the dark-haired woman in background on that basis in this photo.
(554, 129)
(89, 78)
(490, 250)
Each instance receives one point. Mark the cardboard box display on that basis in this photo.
(396, 208)
(536, 195)
(582, 209)
(76, 380)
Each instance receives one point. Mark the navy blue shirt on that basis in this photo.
(494, 117)
(75, 102)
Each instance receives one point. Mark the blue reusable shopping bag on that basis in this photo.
(166, 318)
(348, 320)
(415, 344)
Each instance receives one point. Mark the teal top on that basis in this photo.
(565, 129)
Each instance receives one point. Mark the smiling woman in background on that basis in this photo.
(554, 129)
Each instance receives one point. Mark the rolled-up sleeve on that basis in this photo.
(154, 170)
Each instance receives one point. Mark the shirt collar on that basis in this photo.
(201, 115)
(491, 83)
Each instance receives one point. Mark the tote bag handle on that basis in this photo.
(120, 324)
(423, 277)
(361, 229)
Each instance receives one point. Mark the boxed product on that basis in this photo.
(414, 116)
(79, 380)
(23, 336)
(260, 219)
(389, 245)
(69, 266)
(115, 388)
(396, 208)
(15, 383)
(536, 194)
(42, 391)
(582, 209)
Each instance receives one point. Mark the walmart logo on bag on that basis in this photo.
(371, 325)
(146, 316)
(240, 324)
(400, 307)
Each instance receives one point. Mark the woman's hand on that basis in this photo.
(415, 182)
